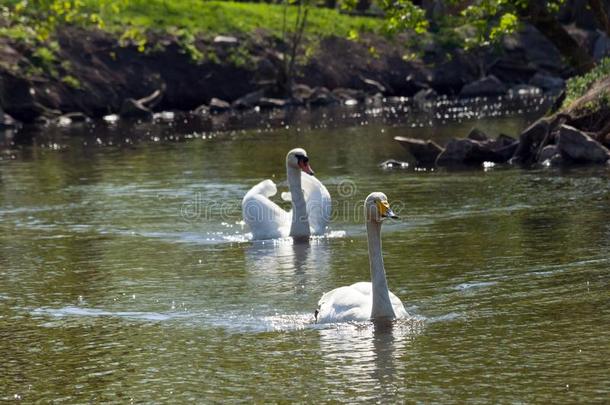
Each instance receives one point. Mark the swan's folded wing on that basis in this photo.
(265, 218)
(318, 203)
(344, 304)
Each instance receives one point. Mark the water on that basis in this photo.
(127, 276)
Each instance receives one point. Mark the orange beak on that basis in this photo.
(304, 165)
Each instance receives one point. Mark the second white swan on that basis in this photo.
(311, 203)
(365, 301)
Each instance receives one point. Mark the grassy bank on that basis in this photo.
(578, 86)
(194, 17)
(215, 17)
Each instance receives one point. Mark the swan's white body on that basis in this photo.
(365, 300)
(311, 205)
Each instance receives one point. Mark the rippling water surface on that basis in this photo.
(127, 275)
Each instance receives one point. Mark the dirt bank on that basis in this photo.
(95, 74)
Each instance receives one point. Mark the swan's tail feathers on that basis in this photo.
(265, 188)
(265, 218)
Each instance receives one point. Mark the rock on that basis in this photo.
(166, 116)
(465, 152)
(322, 96)
(111, 119)
(41, 121)
(273, 102)
(372, 86)
(547, 82)
(152, 100)
(424, 96)
(530, 142)
(504, 140)
(505, 152)
(217, 105)
(375, 99)
(301, 93)
(225, 39)
(487, 86)
(393, 164)
(522, 90)
(249, 101)
(547, 153)
(424, 152)
(524, 53)
(344, 94)
(477, 135)
(202, 110)
(266, 71)
(19, 99)
(132, 108)
(6, 121)
(602, 47)
(578, 147)
(450, 77)
(76, 117)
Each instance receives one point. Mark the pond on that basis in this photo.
(126, 274)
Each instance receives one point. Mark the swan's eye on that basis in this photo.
(302, 158)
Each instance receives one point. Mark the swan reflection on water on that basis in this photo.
(361, 356)
(282, 263)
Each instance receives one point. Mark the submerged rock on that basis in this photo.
(202, 110)
(466, 152)
(393, 164)
(424, 152)
(217, 105)
(548, 154)
(76, 117)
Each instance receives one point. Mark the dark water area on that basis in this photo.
(127, 274)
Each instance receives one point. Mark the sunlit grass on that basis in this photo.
(577, 86)
(215, 17)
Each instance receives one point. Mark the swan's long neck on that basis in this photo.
(382, 306)
(300, 224)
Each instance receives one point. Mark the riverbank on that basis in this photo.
(99, 72)
(579, 133)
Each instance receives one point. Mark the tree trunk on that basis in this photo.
(600, 13)
(536, 13)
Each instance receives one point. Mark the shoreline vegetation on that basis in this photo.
(132, 58)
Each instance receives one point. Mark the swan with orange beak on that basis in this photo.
(310, 200)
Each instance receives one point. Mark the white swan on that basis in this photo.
(365, 301)
(311, 204)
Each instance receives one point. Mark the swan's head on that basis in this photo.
(377, 207)
(297, 159)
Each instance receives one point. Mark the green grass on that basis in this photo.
(216, 17)
(577, 86)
